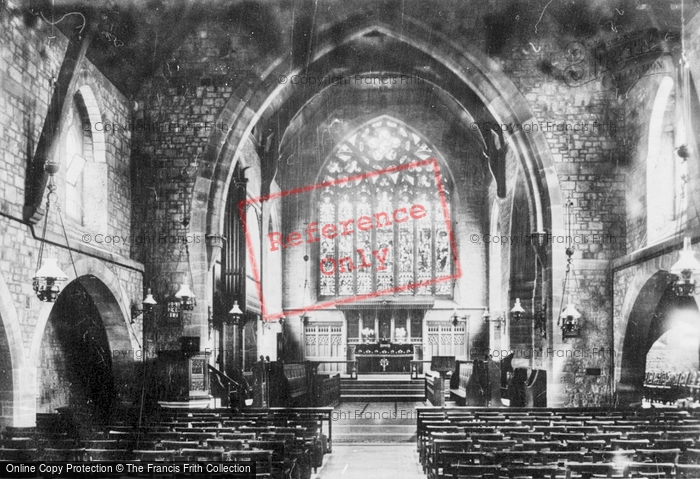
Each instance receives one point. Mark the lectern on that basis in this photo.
(442, 365)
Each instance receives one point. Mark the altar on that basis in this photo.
(378, 358)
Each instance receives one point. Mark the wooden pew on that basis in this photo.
(434, 389)
(459, 382)
(291, 385)
(476, 383)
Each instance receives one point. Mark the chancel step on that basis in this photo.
(374, 390)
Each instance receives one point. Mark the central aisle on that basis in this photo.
(373, 440)
(359, 461)
(375, 422)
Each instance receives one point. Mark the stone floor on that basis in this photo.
(385, 412)
(373, 440)
(361, 461)
(375, 422)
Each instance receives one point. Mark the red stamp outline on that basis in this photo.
(349, 299)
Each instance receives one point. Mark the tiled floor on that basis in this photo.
(359, 461)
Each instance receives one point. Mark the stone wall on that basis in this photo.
(579, 122)
(594, 135)
(647, 257)
(30, 55)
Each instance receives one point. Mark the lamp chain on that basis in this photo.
(52, 191)
(569, 261)
(65, 235)
(189, 263)
(566, 287)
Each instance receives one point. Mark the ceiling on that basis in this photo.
(134, 38)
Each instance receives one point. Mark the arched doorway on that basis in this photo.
(658, 315)
(75, 359)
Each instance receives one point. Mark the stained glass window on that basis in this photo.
(398, 239)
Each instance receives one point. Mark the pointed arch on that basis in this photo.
(248, 107)
(646, 321)
(112, 300)
(422, 147)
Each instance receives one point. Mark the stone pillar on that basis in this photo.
(23, 413)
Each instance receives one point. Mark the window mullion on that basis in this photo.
(397, 240)
(416, 246)
(433, 247)
(336, 241)
(353, 255)
(373, 239)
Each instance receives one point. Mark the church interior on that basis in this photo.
(399, 238)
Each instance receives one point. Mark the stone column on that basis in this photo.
(23, 409)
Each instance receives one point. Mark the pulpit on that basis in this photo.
(384, 358)
(188, 379)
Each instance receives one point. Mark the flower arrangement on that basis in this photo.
(400, 334)
(367, 334)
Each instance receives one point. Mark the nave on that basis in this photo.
(277, 229)
(550, 443)
(448, 442)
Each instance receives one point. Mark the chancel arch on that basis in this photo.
(262, 109)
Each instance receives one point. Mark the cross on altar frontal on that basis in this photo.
(384, 363)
